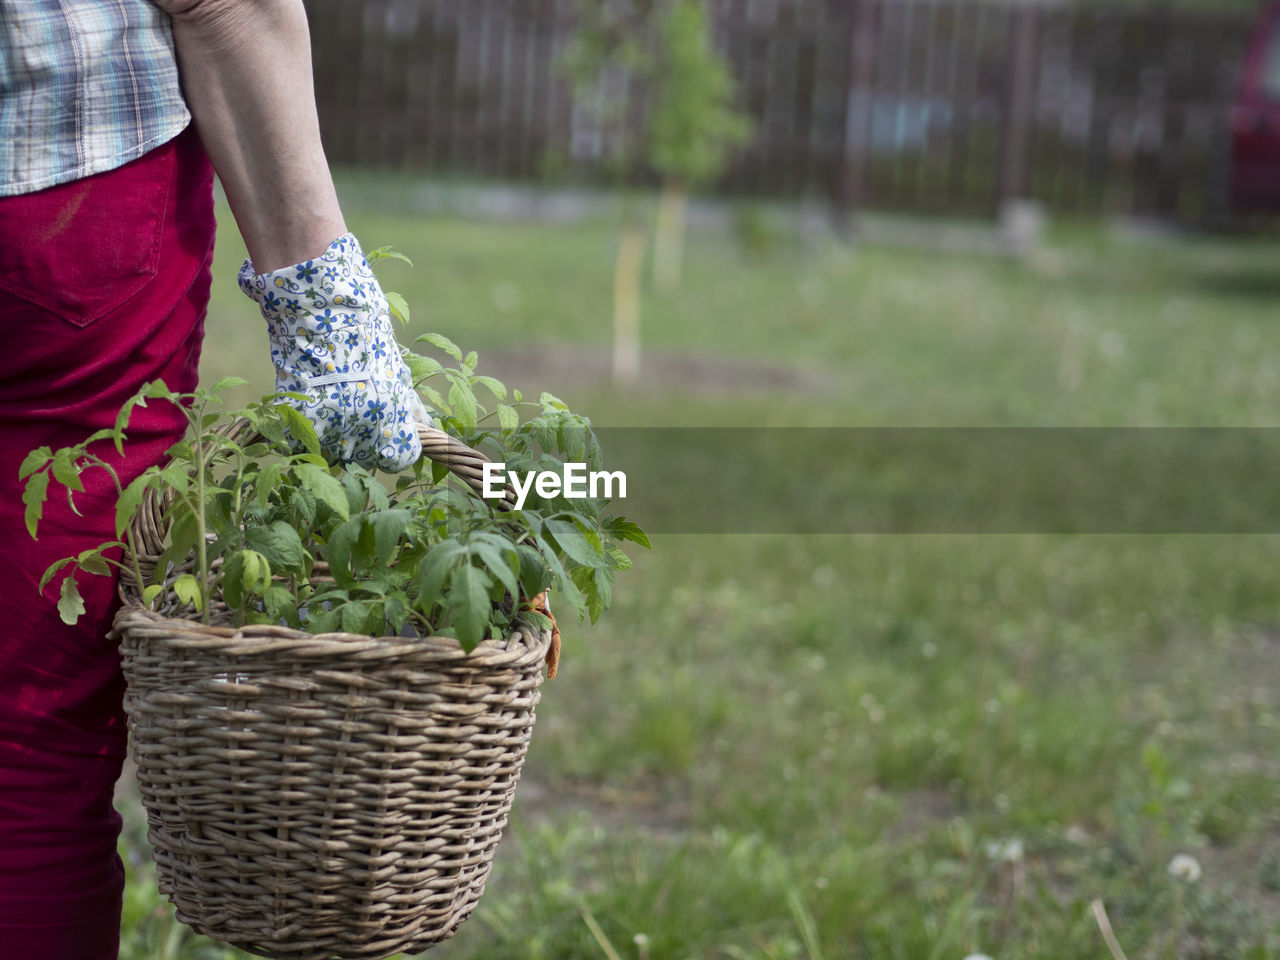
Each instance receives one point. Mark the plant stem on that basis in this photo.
(1108, 935)
(202, 551)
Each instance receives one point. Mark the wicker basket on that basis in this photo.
(319, 796)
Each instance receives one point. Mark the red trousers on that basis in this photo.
(103, 285)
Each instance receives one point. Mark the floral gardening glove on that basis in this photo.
(331, 339)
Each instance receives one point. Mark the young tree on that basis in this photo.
(623, 50)
(610, 59)
(693, 126)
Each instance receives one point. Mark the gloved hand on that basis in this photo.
(331, 339)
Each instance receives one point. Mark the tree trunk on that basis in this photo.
(626, 304)
(668, 252)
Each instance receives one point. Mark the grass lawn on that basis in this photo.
(906, 747)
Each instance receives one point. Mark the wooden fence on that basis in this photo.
(922, 105)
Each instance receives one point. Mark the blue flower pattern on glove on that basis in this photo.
(331, 339)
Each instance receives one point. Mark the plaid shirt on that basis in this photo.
(85, 86)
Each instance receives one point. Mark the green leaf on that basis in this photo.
(575, 544)
(280, 544)
(70, 603)
(601, 598)
(396, 611)
(388, 527)
(303, 504)
(496, 387)
(182, 540)
(434, 400)
(150, 593)
(338, 551)
(233, 569)
(469, 606)
(327, 489)
(106, 433)
(618, 560)
(386, 253)
(65, 470)
(595, 457)
(36, 459)
(470, 360)
(573, 441)
(377, 493)
(441, 342)
(122, 418)
(534, 575)
(320, 620)
(266, 482)
(300, 428)
(159, 390)
(356, 492)
(187, 588)
(272, 427)
(91, 561)
(421, 367)
(463, 402)
(553, 402)
(52, 569)
(562, 579)
(508, 418)
(177, 476)
(33, 497)
(399, 306)
(226, 383)
(279, 603)
(355, 616)
(502, 564)
(255, 576)
(131, 499)
(544, 432)
(433, 571)
(620, 528)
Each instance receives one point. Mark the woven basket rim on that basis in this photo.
(523, 644)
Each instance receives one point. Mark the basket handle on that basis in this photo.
(465, 463)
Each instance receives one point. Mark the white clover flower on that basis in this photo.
(977, 956)
(1077, 834)
(1008, 851)
(1185, 867)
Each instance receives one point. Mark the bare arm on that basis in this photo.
(246, 74)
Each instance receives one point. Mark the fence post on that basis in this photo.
(1015, 149)
(855, 148)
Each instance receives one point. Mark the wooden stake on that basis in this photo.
(668, 249)
(626, 305)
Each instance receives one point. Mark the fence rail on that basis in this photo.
(922, 105)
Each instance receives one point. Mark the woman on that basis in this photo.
(106, 240)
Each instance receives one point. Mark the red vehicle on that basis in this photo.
(1255, 120)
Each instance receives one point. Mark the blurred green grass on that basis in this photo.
(877, 746)
(1098, 329)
